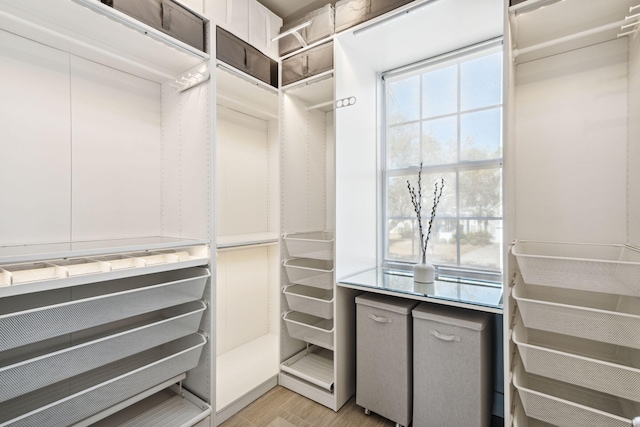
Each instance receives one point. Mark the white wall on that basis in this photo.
(633, 138)
(571, 118)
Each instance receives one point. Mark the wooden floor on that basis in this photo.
(281, 407)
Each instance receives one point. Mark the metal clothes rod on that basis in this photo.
(246, 105)
(84, 45)
(393, 17)
(294, 32)
(554, 42)
(316, 106)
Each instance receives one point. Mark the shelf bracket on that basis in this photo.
(295, 33)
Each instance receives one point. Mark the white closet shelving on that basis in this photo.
(106, 229)
(247, 228)
(572, 75)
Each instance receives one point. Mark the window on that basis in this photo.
(446, 113)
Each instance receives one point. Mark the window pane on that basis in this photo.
(480, 135)
(403, 146)
(480, 243)
(440, 92)
(480, 193)
(398, 198)
(402, 240)
(481, 82)
(442, 247)
(440, 141)
(403, 100)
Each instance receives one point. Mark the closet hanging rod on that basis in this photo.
(246, 77)
(294, 32)
(316, 106)
(246, 105)
(560, 40)
(632, 8)
(88, 46)
(391, 18)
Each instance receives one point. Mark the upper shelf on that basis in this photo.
(92, 30)
(316, 92)
(543, 28)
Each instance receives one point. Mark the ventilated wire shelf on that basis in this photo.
(598, 366)
(315, 245)
(311, 329)
(600, 317)
(166, 290)
(305, 299)
(611, 269)
(310, 272)
(520, 419)
(567, 405)
(71, 401)
(32, 373)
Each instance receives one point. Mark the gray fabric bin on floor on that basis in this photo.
(383, 356)
(451, 367)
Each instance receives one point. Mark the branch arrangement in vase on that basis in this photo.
(416, 200)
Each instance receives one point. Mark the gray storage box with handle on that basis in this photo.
(307, 63)
(167, 16)
(384, 356)
(451, 367)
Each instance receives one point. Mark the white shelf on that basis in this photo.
(89, 29)
(314, 90)
(550, 30)
(245, 368)
(168, 408)
(238, 92)
(314, 366)
(250, 239)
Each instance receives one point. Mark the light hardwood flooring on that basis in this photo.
(281, 407)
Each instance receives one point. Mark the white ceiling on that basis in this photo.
(291, 9)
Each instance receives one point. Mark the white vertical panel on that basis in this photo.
(571, 118)
(171, 161)
(295, 151)
(35, 168)
(356, 164)
(242, 297)
(242, 173)
(330, 172)
(273, 171)
(116, 153)
(317, 170)
(633, 138)
(195, 166)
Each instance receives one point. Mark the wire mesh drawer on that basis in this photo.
(600, 317)
(310, 272)
(311, 329)
(603, 367)
(153, 292)
(305, 299)
(591, 267)
(565, 405)
(316, 245)
(32, 373)
(68, 402)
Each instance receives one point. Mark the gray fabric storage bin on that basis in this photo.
(384, 356)
(307, 63)
(350, 13)
(167, 16)
(322, 26)
(451, 367)
(246, 58)
(353, 12)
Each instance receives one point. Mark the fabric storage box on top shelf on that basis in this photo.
(321, 25)
(167, 16)
(305, 299)
(307, 63)
(246, 58)
(452, 367)
(352, 12)
(384, 356)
